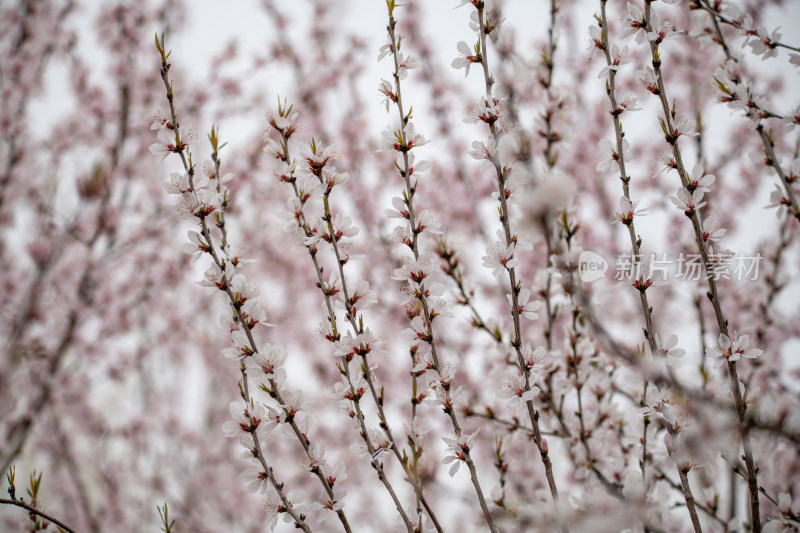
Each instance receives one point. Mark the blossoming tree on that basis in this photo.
(542, 297)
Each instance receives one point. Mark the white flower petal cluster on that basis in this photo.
(731, 350)
(499, 256)
(515, 391)
(458, 449)
(466, 58)
(687, 201)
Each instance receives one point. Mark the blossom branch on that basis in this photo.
(181, 148)
(359, 342)
(350, 316)
(510, 243)
(33, 510)
(32, 507)
(47, 262)
(552, 139)
(672, 135)
(628, 209)
(759, 35)
(406, 141)
(451, 266)
(711, 512)
(730, 84)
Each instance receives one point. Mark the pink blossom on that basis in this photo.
(792, 118)
(483, 150)
(633, 24)
(286, 123)
(217, 278)
(389, 97)
(402, 141)
(711, 230)
(267, 362)
(197, 246)
(294, 403)
(446, 374)
(416, 270)
(514, 390)
(342, 228)
(699, 181)
(778, 199)
(669, 349)
(525, 307)
(466, 59)
(684, 126)
(381, 445)
(499, 257)
(627, 210)
(489, 112)
(628, 103)
(406, 63)
(274, 506)
(688, 201)
(414, 167)
(595, 40)
(255, 479)
(243, 418)
(619, 56)
(647, 79)
(208, 172)
(325, 504)
(400, 209)
(533, 358)
(331, 178)
(763, 43)
(243, 289)
(241, 346)
(359, 344)
(417, 333)
(161, 120)
(664, 30)
(172, 141)
(317, 157)
(344, 390)
(386, 49)
(199, 204)
(459, 449)
(274, 149)
(178, 183)
(731, 350)
(426, 221)
(334, 473)
(612, 163)
(362, 297)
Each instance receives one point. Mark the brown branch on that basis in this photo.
(34, 510)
